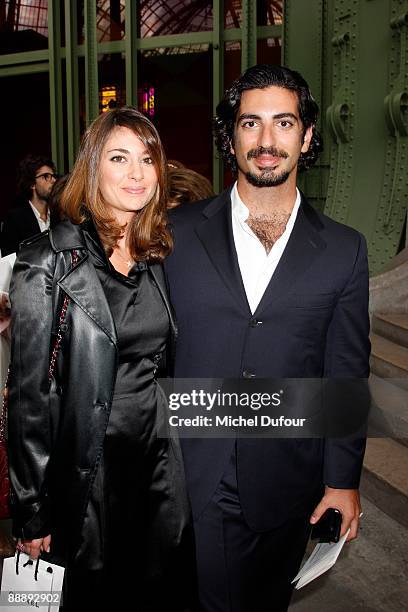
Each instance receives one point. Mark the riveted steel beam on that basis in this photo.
(72, 88)
(218, 82)
(248, 43)
(91, 62)
(55, 80)
(131, 44)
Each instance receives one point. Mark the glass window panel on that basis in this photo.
(80, 22)
(232, 62)
(110, 20)
(232, 13)
(112, 81)
(179, 103)
(269, 51)
(269, 12)
(232, 70)
(31, 133)
(23, 25)
(159, 18)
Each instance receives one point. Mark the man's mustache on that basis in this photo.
(253, 153)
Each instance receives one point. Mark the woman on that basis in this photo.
(92, 481)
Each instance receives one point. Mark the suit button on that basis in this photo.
(247, 374)
(255, 322)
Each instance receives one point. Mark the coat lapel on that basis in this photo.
(83, 286)
(215, 233)
(80, 282)
(304, 246)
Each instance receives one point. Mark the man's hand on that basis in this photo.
(4, 307)
(34, 548)
(345, 500)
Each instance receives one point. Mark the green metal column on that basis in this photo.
(131, 11)
(306, 26)
(71, 60)
(218, 82)
(54, 45)
(394, 197)
(91, 62)
(248, 41)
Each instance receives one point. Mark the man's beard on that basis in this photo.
(267, 178)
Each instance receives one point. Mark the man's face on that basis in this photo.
(268, 136)
(44, 182)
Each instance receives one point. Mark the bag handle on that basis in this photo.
(58, 339)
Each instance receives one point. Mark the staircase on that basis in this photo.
(385, 472)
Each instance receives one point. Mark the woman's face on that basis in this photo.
(127, 176)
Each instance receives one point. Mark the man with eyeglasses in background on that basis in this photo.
(36, 177)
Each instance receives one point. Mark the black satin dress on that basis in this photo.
(137, 546)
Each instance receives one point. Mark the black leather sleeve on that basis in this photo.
(30, 439)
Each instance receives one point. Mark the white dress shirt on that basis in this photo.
(256, 265)
(44, 225)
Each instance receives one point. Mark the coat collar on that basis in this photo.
(304, 245)
(82, 284)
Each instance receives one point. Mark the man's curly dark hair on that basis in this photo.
(27, 172)
(260, 77)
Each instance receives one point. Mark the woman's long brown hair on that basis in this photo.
(148, 237)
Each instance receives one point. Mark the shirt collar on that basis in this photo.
(37, 214)
(240, 210)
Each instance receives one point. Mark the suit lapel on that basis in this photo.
(304, 246)
(158, 275)
(215, 233)
(31, 226)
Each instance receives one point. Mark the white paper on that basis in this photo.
(6, 269)
(49, 582)
(323, 557)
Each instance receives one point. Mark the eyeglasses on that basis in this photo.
(48, 176)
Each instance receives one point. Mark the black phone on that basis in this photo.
(328, 527)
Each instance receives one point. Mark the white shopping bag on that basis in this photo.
(34, 584)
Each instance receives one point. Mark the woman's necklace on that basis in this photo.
(128, 262)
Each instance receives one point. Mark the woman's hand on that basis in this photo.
(34, 548)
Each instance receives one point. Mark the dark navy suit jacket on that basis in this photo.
(313, 323)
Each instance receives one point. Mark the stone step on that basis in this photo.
(384, 480)
(389, 360)
(389, 410)
(394, 327)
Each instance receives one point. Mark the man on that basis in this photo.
(37, 176)
(264, 286)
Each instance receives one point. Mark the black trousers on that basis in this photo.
(240, 570)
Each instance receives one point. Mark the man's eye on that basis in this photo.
(118, 158)
(285, 124)
(249, 124)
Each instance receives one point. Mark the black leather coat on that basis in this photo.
(57, 429)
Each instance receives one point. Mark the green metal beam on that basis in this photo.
(177, 40)
(71, 62)
(248, 43)
(218, 82)
(268, 31)
(11, 59)
(9, 71)
(131, 43)
(91, 62)
(55, 80)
